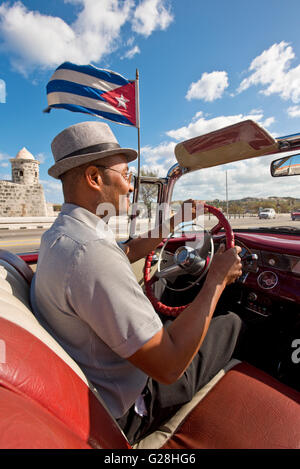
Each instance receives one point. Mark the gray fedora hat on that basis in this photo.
(83, 143)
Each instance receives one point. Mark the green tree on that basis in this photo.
(148, 192)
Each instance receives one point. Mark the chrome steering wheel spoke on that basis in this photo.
(193, 258)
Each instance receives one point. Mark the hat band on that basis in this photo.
(92, 149)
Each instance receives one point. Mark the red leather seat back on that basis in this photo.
(24, 424)
(18, 264)
(35, 371)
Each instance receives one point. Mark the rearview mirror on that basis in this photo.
(287, 166)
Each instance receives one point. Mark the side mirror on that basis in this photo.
(286, 166)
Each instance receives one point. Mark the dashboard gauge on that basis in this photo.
(267, 280)
(295, 265)
(278, 261)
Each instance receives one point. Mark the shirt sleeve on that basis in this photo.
(102, 289)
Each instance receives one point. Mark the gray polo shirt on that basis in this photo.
(85, 294)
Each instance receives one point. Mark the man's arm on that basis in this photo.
(167, 355)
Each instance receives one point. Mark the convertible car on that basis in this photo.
(47, 402)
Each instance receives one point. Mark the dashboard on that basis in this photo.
(277, 270)
(271, 280)
(266, 297)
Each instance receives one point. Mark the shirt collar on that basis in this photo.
(90, 219)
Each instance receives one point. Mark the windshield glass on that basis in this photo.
(246, 193)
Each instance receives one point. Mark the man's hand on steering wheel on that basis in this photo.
(226, 265)
(189, 210)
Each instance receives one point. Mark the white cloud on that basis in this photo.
(272, 69)
(210, 86)
(294, 111)
(151, 15)
(5, 177)
(4, 163)
(41, 157)
(131, 52)
(159, 158)
(247, 178)
(4, 156)
(29, 34)
(267, 122)
(2, 91)
(130, 41)
(53, 191)
(200, 125)
(36, 40)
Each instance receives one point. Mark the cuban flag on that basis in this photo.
(103, 93)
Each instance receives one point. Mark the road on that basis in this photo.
(25, 240)
(20, 240)
(252, 222)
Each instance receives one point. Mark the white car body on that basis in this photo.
(267, 213)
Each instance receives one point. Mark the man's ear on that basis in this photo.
(93, 177)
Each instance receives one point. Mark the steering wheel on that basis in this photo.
(186, 260)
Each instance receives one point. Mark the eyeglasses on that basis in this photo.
(127, 176)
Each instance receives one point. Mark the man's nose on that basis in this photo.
(130, 188)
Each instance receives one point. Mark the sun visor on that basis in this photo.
(236, 142)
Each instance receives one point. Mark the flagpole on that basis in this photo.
(137, 186)
(139, 133)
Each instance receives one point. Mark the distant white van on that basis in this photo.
(267, 213)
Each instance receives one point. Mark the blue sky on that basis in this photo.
(202, 65)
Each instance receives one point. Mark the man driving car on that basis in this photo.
(85, 294)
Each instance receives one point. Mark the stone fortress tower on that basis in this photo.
(23, 196)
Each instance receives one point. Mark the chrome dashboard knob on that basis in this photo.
(252, 296)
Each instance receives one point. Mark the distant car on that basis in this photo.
(295, 214)
(267, 213)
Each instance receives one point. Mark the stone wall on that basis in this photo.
(17, 200)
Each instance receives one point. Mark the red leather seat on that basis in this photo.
(21, 267)
(26, 425)
(36, 372)
(246, 409)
